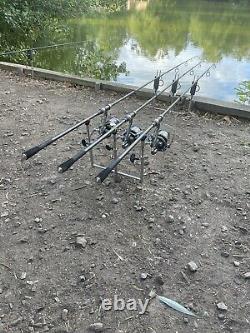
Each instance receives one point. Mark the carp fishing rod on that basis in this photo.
(159, 141)
(30, 50)
(102, 111)
(116, 124)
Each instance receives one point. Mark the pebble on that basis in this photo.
(221, 316)
(196, 147)
(81, 241)
(170, 219)
(221, 306)
(192, 266)
(96, 327)
(236, 263)
(247, 275)
(138, 208)
(65, 314)
(159, 280)
(4, 214)
(23, 276)
(144, 276)
(82, 278)
(224, 228)
(115, 201)
(225, 254)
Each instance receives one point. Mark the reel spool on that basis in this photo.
(160, 142)
(131, 135)
(109, 124)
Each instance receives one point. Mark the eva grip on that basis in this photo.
(31, 152)
(66, 165)
(104, 173)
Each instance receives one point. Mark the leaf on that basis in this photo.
(176, 306)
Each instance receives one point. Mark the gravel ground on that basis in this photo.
(67, 243)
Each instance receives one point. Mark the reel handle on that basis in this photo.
(105, 173)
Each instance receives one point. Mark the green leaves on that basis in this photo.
(243, 92)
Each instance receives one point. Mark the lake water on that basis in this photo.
(155, 35)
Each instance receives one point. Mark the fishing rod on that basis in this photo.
(159, 141)
(129, 118)
(27, 51)
(102, 111)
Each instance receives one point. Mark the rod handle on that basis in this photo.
(30, 152)
(105, 172)
(66, 165)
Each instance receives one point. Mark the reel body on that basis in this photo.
(160, 142)
(131, 135)
(109, 124)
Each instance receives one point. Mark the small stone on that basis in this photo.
(23, 276)
(222, 306)
(192, 266)
(236, 263)
(186, 320)
(170, 219)
(225, 254)
(196, 147)
(96, 327)
(159, 280)
(81, 241)
(4, 214)
(221, 316)
(144, 276)
(224, 228)
(115, 201)
(152, 294)
(65, 314)
(82, 278)
(247, 275)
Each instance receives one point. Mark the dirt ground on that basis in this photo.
(193, 206)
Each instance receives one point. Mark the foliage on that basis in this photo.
(243, 92)
(94, 62)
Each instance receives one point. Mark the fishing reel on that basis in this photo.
(108, 125)
(160, 141)
(131, 135)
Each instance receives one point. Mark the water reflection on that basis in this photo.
(149, 36)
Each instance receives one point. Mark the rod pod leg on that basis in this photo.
(142, 161)
(91, 151)
(115, 156)
(190, 104)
